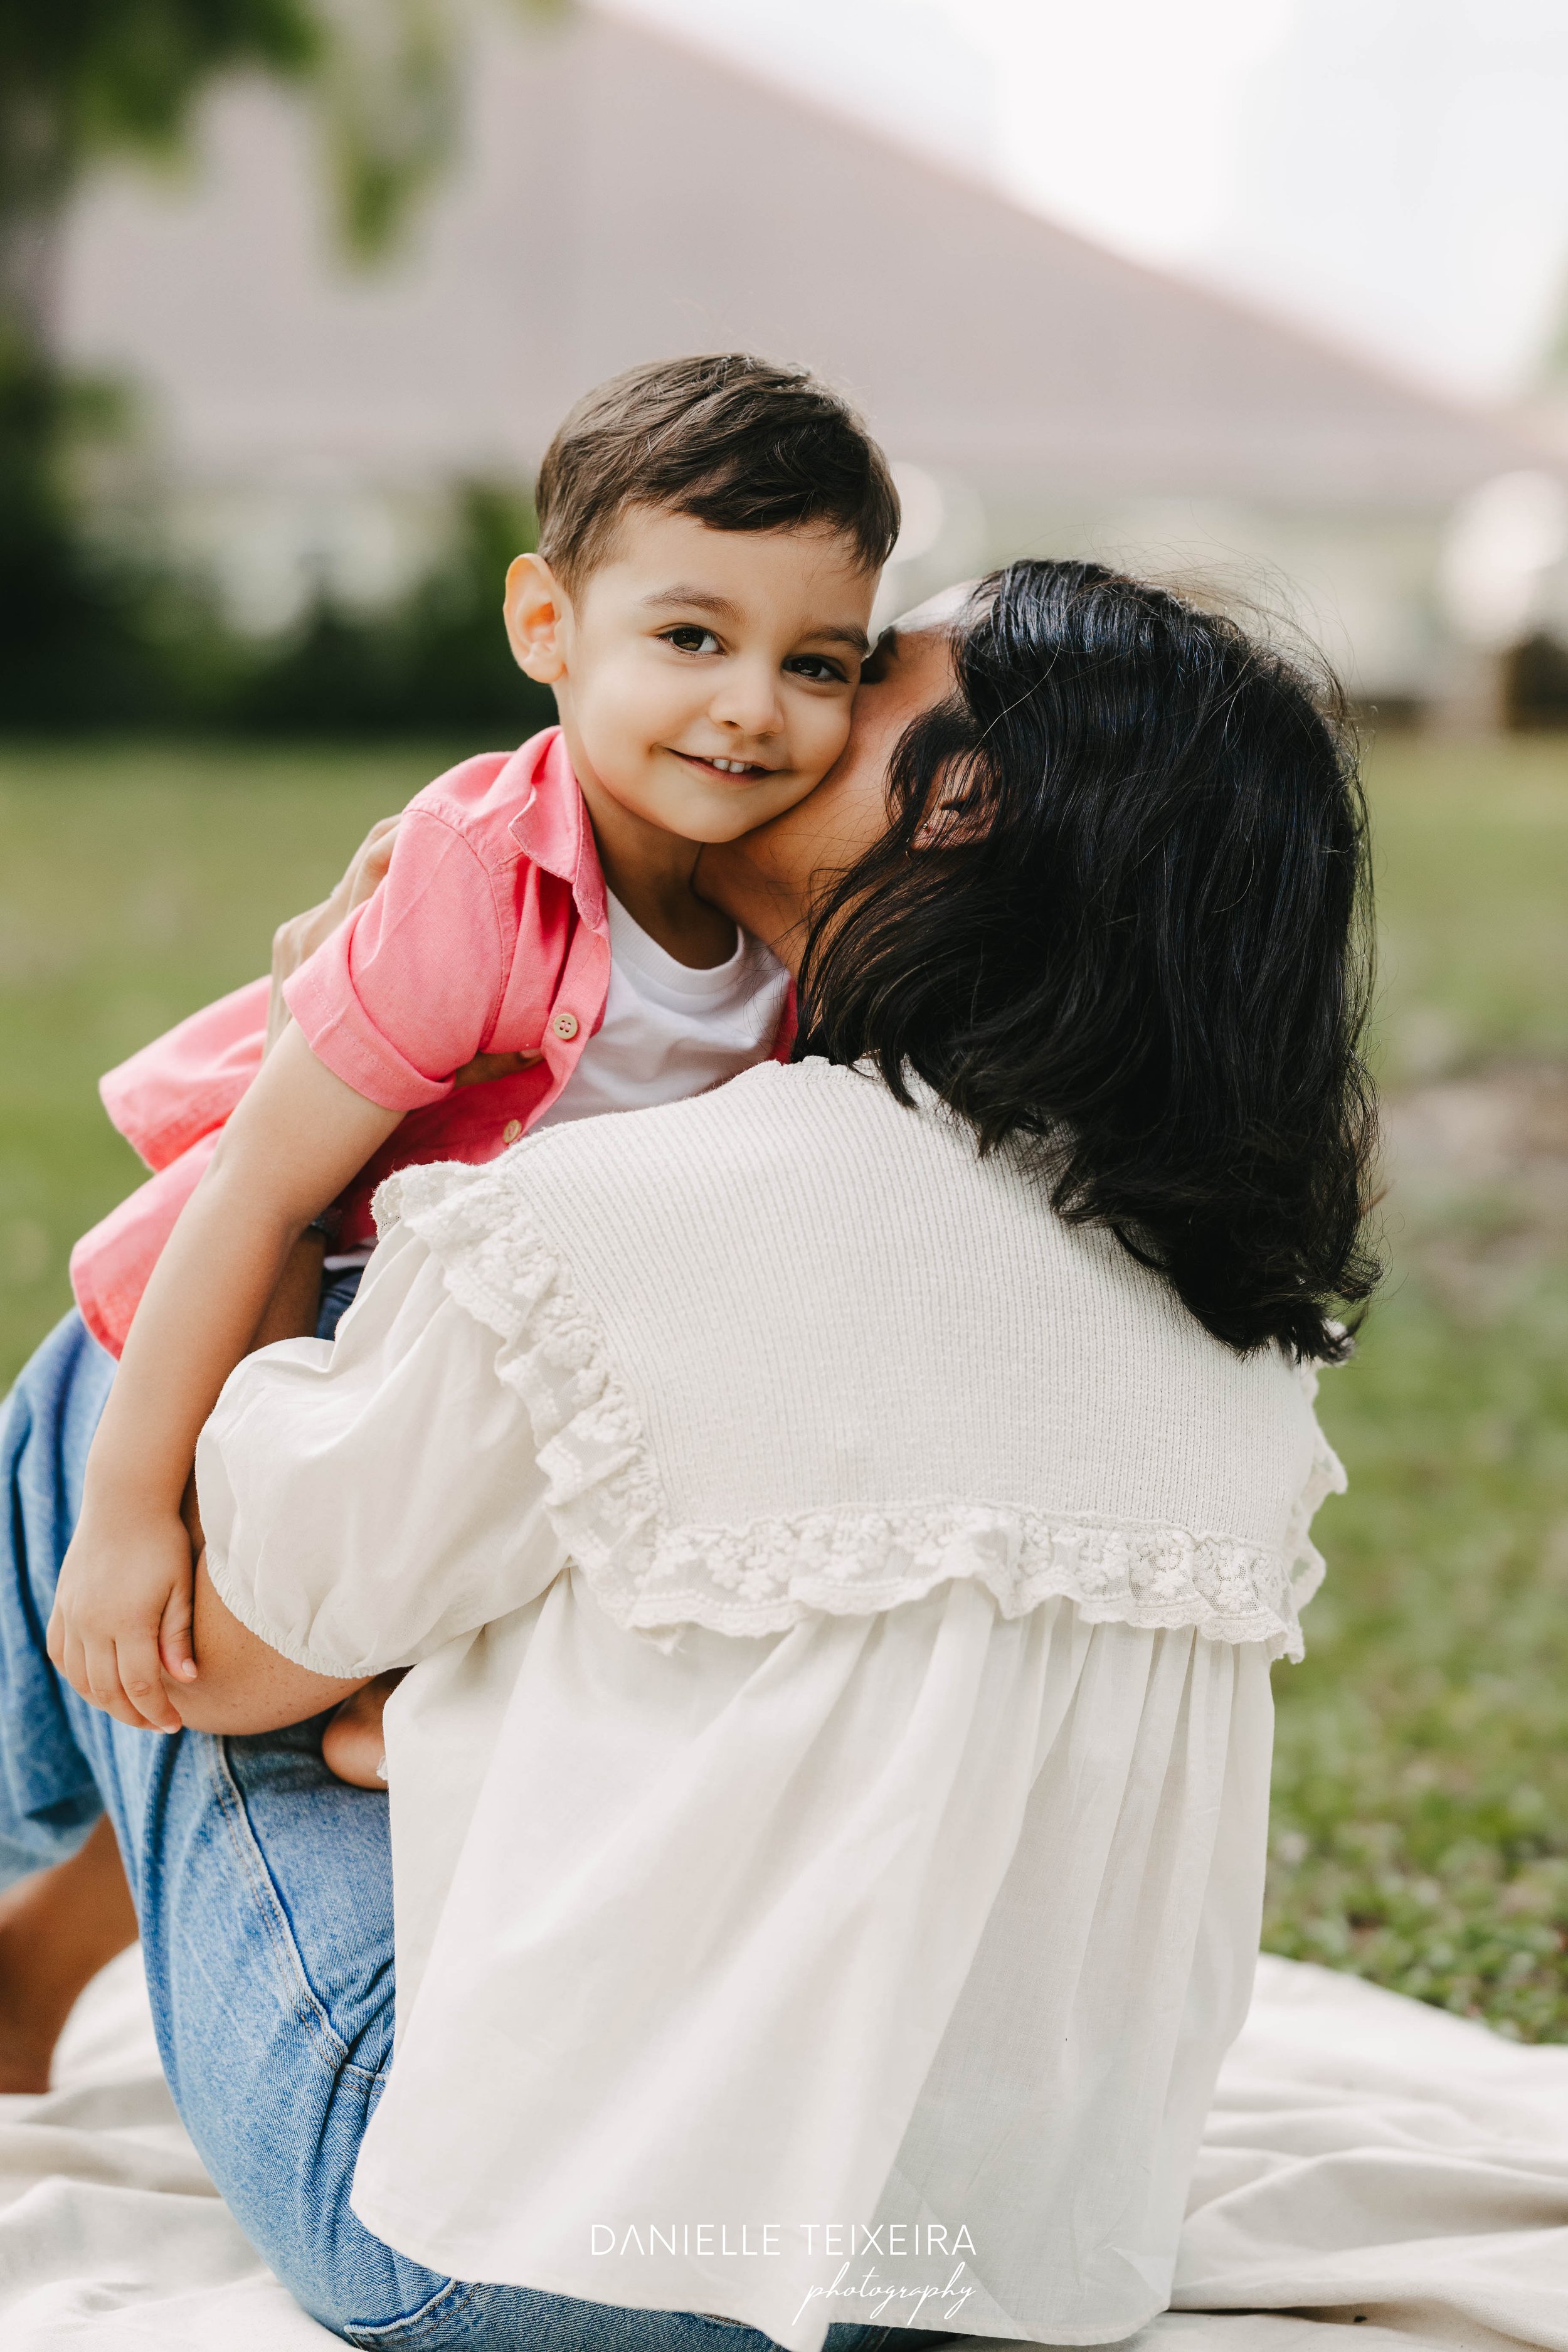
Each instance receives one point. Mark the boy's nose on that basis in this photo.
(749, 702)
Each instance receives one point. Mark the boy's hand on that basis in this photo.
(120, 1632)
(121, 1619)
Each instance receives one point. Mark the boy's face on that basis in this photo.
(704, 678)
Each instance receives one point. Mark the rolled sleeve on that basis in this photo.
(187, 1082)
(366, 1501)
(407, 989)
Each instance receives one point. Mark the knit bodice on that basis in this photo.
(794, 1346)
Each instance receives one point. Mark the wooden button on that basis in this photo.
(565, 1026)
(512, 1130)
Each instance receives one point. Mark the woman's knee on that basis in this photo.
(49, 1793)
(465, 2317)
(48, 1422)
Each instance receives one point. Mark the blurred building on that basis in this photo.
(620, 198)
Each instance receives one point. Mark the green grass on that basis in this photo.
(1421, 1813)
(1420, 1831)
(1420, 1826)
(136, 884)
(1471, 854)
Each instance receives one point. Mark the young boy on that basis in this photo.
(711, 533)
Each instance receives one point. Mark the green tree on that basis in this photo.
(83, 81)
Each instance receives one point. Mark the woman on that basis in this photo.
(840, 1528)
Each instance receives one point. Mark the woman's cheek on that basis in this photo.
(832, 825)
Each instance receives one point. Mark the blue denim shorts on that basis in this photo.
(263, 1887)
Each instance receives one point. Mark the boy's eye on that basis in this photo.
(688, 638)
(819, 668)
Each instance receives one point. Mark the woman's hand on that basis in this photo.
(301, 935)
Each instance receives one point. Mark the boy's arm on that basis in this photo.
(290, 1312)
(301, 935)
(296, 1139)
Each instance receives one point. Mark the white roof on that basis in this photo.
(622, 197)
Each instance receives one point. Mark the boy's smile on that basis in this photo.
(704, 678)
(725, 767)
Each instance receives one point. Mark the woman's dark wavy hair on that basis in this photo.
(1123, 904)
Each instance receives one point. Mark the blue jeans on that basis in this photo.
(263, 1887)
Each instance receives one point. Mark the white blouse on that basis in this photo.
(828, 1806)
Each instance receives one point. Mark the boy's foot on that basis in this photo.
(352, 1745)
(57, 1928)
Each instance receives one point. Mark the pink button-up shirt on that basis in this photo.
(489, 935)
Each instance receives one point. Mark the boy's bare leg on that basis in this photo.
(354, 1744)
(57, 1928)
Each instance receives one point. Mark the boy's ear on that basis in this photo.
(536, 607)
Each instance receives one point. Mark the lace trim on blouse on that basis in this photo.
(607, 1503)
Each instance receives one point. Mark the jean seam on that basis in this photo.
(304, 2001)
(447, 2303)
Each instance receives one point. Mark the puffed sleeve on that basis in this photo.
(366, 1501)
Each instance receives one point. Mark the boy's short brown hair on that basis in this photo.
(740, 443)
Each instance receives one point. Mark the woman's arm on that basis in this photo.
(241, 1685)
(123, 1612)
(366, 1504)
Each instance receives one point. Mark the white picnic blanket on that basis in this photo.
(1368, 2159)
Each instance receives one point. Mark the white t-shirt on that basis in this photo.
(667, 1033)
(670, 1032)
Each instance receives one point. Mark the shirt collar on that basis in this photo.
(552, 828)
